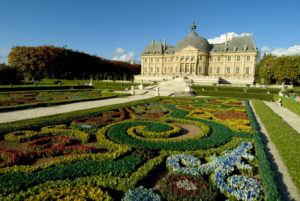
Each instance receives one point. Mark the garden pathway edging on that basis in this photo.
(281, 173)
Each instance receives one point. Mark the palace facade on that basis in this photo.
(193, 57)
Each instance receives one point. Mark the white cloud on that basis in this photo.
(279, 51)
(120, 51)
(129, 56)
(222, 37)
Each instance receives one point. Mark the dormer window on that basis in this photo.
(245, 47)
(235, 48)
(238, 58)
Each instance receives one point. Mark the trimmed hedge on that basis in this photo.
(232, 94)
(15, 181)
(236, 89)
(285, 138)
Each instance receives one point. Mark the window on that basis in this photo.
(210, 70)
(237, 70)
(248, 58)
(229, 58)
(171, 69)
(145, 60)
(219, 58)
(151, 60)
(200, 69)
(157, 69)
(228, 70)
(218, 70)
(200, 58)
(238, 58)
(145, 69)
(181, 58)
(247, 70)
(165, 69)
(165, 59)
(157, 60)
(187, 58)
(151, 69)
(210, 58)
(181, 67)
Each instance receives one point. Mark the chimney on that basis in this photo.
(152, 42)
(165, 43)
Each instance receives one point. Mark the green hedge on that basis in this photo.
(233, 94)
(15, 181)
(292, 105)
(236, 89)
(285, 138)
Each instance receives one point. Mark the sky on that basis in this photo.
(121, 29)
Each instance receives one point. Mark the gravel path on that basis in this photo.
(285, 185)
(288, 116)
(48, 111)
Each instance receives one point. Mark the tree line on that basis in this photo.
(35, 63)
(278, 69)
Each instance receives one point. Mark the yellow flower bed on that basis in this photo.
(70, 193)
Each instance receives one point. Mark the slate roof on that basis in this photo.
(236, 44)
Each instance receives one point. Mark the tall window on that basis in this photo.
(151, 60)
(247, 70)
(228, 70)
(238, 58)
(145, 69)
(171, 69)
(218, 70)
(151, 69)
(210, 58)
(200, 58)
(200, 69)
(165, 59)
(157, 60)
(229, 58)
(210, 70)
(219, 58)
(237, 70)
(165, 69)
(181, 68)
(248, 58)
(157, 69)
(145, 60)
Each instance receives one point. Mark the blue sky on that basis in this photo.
(122, 29)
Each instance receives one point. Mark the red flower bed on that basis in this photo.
(9, 158)
(230, 115)
(53, 146)
(186, 107)
(107, 117)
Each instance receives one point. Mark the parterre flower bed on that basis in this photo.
(23, 98)
(168, 149)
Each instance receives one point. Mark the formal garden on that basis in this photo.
(155, 149)
(12, 100)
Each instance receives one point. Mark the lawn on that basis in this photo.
(159, 149)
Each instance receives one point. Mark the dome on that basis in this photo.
(195, 41)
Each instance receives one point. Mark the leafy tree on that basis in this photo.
(8, 74)
(61, 63)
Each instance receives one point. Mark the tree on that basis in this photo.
(9, 74)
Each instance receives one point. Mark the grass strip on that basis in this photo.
(290, 104)
(285, 138)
